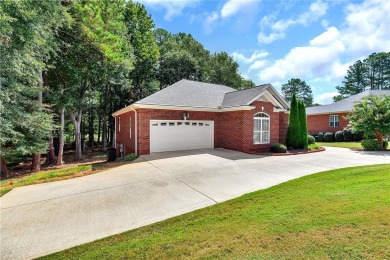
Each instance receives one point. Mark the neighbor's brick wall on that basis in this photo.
(320, 123)
(283, 122)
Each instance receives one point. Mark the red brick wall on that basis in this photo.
(320, 123)
(145, 115)
(123, 137)
(232, 130)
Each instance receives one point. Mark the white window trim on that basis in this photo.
(268, 118)
(119, 124)
(334, 121)
(130, 127)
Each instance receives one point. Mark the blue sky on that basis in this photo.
(274, 41)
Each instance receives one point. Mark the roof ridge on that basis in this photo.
(238, 90)
(209, 83)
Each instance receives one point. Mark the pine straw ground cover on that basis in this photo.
(338, 214)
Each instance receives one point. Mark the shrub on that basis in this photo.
(339, 136)
(358, 136)
(320, 137)
(371, 144)
(129, 157)
(294, 127)
(278, 148)
(311, 139)
(348, 136)
(385, 144)
(303, 124)
(329, 137)
(313, 147)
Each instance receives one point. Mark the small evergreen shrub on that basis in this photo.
(358, 136)
(385, 144)
(371, 144)
(329, 137)
(348, 136)
(339, 136)
(313, 147)
(311, 139)
(129, 157)
(278, 148)
(320, 137)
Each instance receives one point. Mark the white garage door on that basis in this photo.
(173, 135)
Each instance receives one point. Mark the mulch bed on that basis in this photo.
(291, 152)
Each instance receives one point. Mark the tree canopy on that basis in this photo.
(372, 115)
(373, 73)
(300, 89)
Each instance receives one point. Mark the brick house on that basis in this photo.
(193, 115)
(331, 118)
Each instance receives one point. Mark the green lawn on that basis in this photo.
(339, 214)
(351, 145)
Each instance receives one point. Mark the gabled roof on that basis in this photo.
(187, 94)
(344, 105)
(190, 94)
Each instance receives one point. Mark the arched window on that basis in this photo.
(261, 128)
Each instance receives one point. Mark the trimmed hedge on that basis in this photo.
(385, 144)
(320, 137)
(348, 136)
(278, 148)
(358, 136)
(311, 139)
(339, 136)
(329, 137)
(371, 144)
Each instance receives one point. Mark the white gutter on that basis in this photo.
(136, 132)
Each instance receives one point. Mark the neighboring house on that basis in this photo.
(193, 115)
(330, 118)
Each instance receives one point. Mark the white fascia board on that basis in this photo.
(330, 113)
(280, 110)
(285, 105)
(267, 95)
(167, 107)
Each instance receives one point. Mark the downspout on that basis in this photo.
(135, 131)
(114, 139)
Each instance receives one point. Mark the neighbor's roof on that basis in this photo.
(344, 105)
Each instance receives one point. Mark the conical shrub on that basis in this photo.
(293, 137)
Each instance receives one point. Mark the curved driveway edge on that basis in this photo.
(41, 219)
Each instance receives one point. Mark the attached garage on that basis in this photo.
(174, 135)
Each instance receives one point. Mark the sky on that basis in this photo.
(274, 41)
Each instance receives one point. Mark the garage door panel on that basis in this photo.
(180, 135)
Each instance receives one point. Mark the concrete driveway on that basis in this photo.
(41, 219)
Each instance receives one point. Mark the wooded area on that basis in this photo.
(66, 66)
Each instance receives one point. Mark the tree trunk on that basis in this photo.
(77, 130)
(36, 162)
(104, 132)
(61, 137)
(51, 157)
(99, 127)
(36, 158)
(91, 130)
(4, 170)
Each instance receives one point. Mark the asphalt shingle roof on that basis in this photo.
(345, 104)
(189, 93)
(242, 97)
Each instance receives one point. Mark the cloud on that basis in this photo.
(208, 23)
(325, 98)
(231, 7)
(365, 30)
(258, 65)
(316, 10)
(254, 56)
(173, 8)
